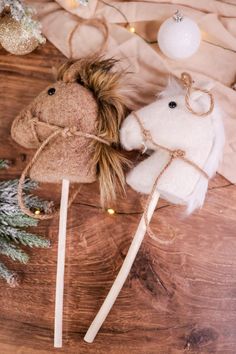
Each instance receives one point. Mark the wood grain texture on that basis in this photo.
(179, 297)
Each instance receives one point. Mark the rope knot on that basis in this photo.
(68, 132)
(177, 153)
(188, 84)
(187, 79)
(146, 134)
(34, 120)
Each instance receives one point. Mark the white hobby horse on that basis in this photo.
(185, 138)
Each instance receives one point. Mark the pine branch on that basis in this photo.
(10, 186)
(13, 211)
(8, 275)
(4, 164)
(8, 196)
(23, 237)
(10, 250)
(17, 219)
(12, 222)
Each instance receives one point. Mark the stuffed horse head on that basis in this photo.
(174, 122)
(86, 105)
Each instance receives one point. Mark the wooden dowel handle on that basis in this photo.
(58, 320)
(123, 273)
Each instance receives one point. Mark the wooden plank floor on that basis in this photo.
(193, 307)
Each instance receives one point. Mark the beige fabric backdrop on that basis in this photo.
(148, 68)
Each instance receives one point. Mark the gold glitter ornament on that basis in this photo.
(15, 37)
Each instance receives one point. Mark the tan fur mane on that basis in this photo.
(96, 75)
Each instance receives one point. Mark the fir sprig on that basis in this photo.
(17, 219)
(13, 222)
(10, 276)
(12, 251)
(8, 196)
(4, 164)
(23, 237)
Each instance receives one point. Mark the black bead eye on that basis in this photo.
(51, 91)
(172, 104)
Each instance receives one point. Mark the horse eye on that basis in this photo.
(172, 104)
(51, 91)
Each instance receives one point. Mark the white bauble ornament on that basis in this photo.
(179, 37)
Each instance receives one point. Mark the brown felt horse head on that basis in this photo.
(86, 98)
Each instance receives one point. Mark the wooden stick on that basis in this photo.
(123, 273)
(58, 321)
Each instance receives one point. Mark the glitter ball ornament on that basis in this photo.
(19, 37)
(179, 37)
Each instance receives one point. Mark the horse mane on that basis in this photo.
(95, 74)
(196, 199)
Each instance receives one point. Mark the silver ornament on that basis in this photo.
(178, 17)
(84, 2)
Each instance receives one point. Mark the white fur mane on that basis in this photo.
(197, 198)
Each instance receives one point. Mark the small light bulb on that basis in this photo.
(73, 4)
(37, 212)
(111, 211)
(132, 29)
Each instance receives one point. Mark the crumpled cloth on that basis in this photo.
(148, 68)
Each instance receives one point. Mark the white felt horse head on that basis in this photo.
(171, 124)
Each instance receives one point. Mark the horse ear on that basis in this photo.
(62, 70)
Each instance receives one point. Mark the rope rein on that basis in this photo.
(188, 83)
(173, 154)
(65, 133)
(100, 24)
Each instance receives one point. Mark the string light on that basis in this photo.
(128, 26)
(131, 29)
(111, 211)
(73, 4)
(37, 212)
